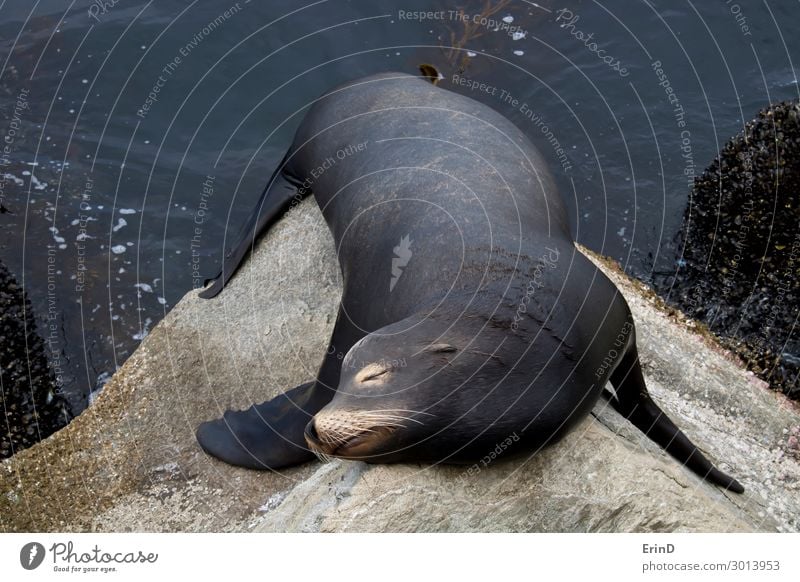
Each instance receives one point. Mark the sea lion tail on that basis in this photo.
(274, 200)
(633, 401)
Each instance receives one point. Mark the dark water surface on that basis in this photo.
(139, 135)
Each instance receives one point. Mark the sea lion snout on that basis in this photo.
(352, 434)
(327, 431)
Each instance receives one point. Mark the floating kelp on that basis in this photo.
(32, 407)
(740, 272)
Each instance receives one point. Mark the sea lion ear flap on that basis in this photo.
(430, 73)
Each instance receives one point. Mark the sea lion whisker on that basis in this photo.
(380, 413)
(403, 410)
(342, 435)
(337, 438)
(380, 422)
(385, 417)
(321, 456)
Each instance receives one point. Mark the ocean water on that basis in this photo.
(138, 136)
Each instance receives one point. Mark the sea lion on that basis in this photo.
(468, 317)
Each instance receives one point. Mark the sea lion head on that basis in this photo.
(434, 388)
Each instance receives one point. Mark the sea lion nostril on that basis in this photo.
(311, 432)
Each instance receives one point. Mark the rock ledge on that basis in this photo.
(130, 462)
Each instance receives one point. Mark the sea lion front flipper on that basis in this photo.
(271, 435)
(267, 435)
(634, 403)
(276, 199)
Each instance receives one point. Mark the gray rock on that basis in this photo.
(130, 462)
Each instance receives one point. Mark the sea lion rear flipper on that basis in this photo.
(275, 199)
(633, 401)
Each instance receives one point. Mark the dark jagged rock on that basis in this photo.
(741, 275)
(32, 407)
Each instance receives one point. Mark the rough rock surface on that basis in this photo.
(30, 401)
(130, 462)
(740, 272)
